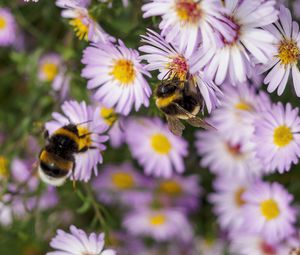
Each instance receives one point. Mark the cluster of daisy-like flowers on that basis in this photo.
(227, 48)
(253, 138)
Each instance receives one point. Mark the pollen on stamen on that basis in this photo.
(179, 67)
(123, 71)
(80, 28)
(158, 219)
(288, 52)
(188, 11)
(2, 23)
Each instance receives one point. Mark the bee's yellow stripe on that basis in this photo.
(67, 133)
(165, 101)
(50, 158)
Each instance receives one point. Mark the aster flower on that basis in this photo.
(182, 192)
(186, 21)
(155, 147)
(268, 211)
(77, 242)
(240, 107)
(49, 66)
(161, 224)
(227, 157)
(51, 69)
(233, 59)
(85, 115)
(285, 57)
(21, 171)
(117, 75)
(122, 183)
(171, 61)
(8, 28)
(114, 122)
(228, 202)
(277, 138)
(85, 27)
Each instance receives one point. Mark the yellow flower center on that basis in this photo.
(85, 141)
(178, 67)
(269, 209)
(282, 136)
(238, 197)
(3, 23)
(160, 144)
(288, 52)
(157, 220)
(123, 71)
(244, 106)
(3, 167)
(188, 11)
(109, 115)
(81, 29)
(170, 187)
(50, 70)
(122, 180)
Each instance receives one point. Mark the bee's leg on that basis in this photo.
(86, 134)
(72, 174)
(84, 149)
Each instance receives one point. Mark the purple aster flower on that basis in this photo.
(117, 75)
(8, 28)
(51, 69)
(85, 27)
(227, 157)
(182, 192)
(158, 150)
(160, 224)
(48, 199)
(233, 59)
(285, 57)
(277, 138)
(170, 61)
(240, 107)
(77, 242)
(21, 171)
(122, 183)
(187, 22)
(247, 244)
(228, 202)
(86, 116)
(114, 122)
(268, 212)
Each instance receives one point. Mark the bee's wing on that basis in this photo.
(194, 120)
(175, 125)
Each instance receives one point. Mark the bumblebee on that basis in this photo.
(56, 159)
(180, 100)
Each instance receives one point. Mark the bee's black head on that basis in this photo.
(165, 89)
